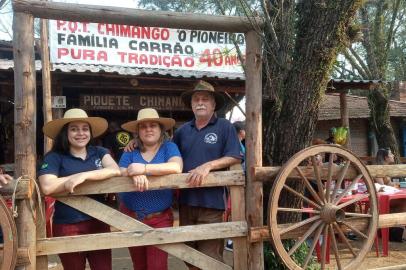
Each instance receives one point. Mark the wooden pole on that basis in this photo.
(254, 193)
(129, 16)
(25, 124)
(46, 81)
(345, 121)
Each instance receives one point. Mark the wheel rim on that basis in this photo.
(9, 247)
(328, 209)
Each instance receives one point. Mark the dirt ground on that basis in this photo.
(397, 256)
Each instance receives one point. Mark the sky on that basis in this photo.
(6, 25)
(6, 12)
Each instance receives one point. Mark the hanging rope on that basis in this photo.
(32, 203)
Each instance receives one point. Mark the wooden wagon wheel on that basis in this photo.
(8, 249)
(326, 214)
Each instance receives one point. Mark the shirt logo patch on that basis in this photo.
(98, 163)
(123, 138)
(44, 166)
(210, 138)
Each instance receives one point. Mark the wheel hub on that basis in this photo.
(331, 213)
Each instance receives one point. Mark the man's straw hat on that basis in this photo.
(203, 86)
(148, 115)
(97, 124)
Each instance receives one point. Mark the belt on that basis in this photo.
(152, 215)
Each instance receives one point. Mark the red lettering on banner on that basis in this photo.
(82, 54)
(59, 24)
(62, 52)
(99, 28)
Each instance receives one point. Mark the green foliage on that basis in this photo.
(272, 261)
(219, 7)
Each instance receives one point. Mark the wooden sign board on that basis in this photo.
(131, 102)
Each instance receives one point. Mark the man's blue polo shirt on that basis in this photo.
(216, 140)
(64, 165)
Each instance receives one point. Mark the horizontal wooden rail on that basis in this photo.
(269, 173)
(144, 237)
(122, 222)
(130, 16)
(23, 189)
(172, 181)
(257, 234)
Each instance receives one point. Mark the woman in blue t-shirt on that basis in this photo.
(71, 162)
(153, 156)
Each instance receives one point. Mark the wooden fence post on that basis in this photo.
(25, 124)
(254, 193)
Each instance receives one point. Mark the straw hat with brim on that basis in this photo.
(203, 86)
(148, 115)
(97, 124)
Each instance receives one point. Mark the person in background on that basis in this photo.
(207, 144)
(330, 139)
(116, 140)
(154, 155)
(384, 156)
(5, 179)
(72, 161)
(240, 129)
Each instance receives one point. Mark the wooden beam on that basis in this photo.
(25, 124)
(269, 173)
(261, 233)
(345, 120)
(225, 178)
(240, 248)
(22, 257)
(23, 189)
(144, 237)
(46, 80)
(122, 222)
(130, 16)
(125, 184)
(253, 140)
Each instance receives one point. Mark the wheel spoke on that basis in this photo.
(354, 200)
(309, 186)
(334, 246)
(349, 214)
(304, 237)
(315, 241)
(355, 229)
(310, 211)
(324, 247)
(344, 239)
(329, 176)
(320, 186)
(299, 224)
(350, 187)
(302, 196)
(340, 179)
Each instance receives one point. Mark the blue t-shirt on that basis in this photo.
(64, 165)
(150, 201)
(216, 140)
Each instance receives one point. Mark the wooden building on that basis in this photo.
(113, 92)
(363, 141)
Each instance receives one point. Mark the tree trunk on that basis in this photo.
(380, 119)
(321, 31)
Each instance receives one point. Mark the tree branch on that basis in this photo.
(354, 64)
(367, 41)
(270, 27)
(362, 63)
(391, 31)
